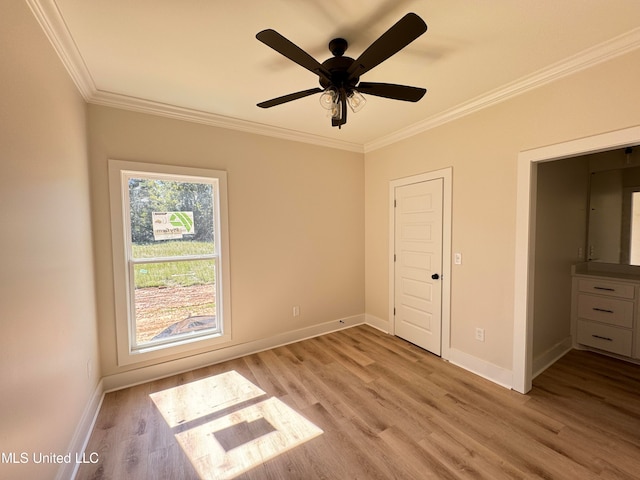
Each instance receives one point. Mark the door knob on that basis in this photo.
(435, 276)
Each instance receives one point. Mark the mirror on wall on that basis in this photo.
(614, 208)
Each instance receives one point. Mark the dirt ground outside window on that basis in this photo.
(158, 308)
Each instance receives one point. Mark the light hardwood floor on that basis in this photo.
(360, 404)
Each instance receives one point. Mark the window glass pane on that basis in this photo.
(171, 218)
(174, 299)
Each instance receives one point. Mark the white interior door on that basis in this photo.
(418, 264)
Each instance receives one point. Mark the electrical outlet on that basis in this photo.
(296, 310)
(480, 334)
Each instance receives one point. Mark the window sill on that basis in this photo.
(174, 350)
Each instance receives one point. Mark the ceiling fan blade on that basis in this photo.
(287, 98)
(280, 44)
(405, 31)
(390, 90)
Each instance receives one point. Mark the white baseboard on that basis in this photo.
(551, 356)
(491, 372)
(154, 372)
(82, 433)
(377, 322)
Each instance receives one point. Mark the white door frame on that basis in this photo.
(446, 174)
(525, 236)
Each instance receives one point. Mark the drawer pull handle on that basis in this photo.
(602, 310)
(603, 338)
(605, 288)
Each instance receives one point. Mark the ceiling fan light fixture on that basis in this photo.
(336, 108)
(356, 101)
(328, 98)
(339, 75)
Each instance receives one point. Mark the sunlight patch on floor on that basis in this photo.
(226, 428)
(197, 399)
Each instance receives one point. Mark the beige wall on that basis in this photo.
(47, 319)
(296, 217)
(483, 149)
(561, 230)
(305, 223)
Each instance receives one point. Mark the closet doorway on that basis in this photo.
(528, 162)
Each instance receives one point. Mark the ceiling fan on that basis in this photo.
(340, 76)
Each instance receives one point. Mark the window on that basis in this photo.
(170, 256)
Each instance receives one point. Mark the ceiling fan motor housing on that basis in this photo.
(338, 67)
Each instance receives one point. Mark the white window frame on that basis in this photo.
(119, 173)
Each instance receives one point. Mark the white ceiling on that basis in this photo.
(200, 60)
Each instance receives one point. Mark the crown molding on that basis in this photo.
(590, 57)
(50, 19)
(190, 115)
(52, 23)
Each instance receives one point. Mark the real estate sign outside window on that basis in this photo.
(170, 259)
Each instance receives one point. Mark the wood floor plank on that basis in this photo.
(341, 380)
(468, 457)
(392, 346)
(419, 460)
(170, 463)
(285, 373)
(345, 359)
(578, 402)
(265, 377)
(344, 433)
(310, 349)
(605, 445)
(361, 404)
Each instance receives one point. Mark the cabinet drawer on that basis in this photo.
(604, 287)
(607, 310)
(605, 337)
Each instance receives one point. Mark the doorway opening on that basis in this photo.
(528, 162)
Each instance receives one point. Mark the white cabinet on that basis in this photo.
(605, 312)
